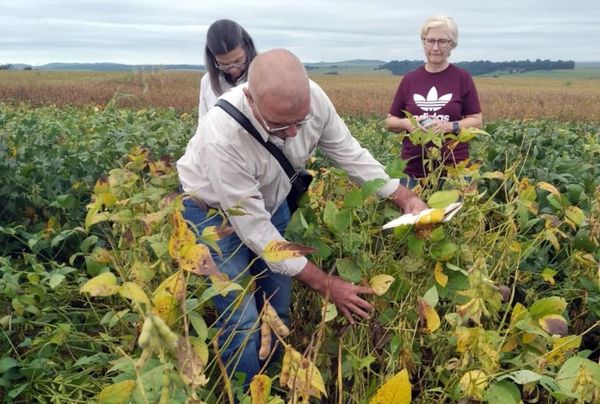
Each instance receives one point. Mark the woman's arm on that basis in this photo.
(397, 125)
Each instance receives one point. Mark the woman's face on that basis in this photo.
(232, 63)
(437, 45)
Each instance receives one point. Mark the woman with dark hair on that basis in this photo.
(228, 52)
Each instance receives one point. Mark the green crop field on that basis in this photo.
(99, 302)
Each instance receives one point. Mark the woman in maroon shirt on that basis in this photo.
(438, 90)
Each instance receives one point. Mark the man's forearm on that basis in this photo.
(314, 277)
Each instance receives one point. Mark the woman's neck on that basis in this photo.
(436, 68)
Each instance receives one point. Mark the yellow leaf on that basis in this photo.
(222, 285)
(511, 343)
(150, 220)
(104, 284)
(211, 234)
(166, 307)
(440, 277)
(381, 283)
(182, 237)
(473, 309)
(118, 393)
(197, 260)
(174, 284)
(101, 255)
(548, 187)
(465, 337)
(132, 291)
(575, 214)
(551, 237)
(397, 390)
(304, 377)
(548, 275)
(561, 346)
(494, 175)
(278, 250)
(429, 317)
(474, 384)
(528, 338)
(260, 389)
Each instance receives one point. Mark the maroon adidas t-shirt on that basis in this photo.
(448, 95)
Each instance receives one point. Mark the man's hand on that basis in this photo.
(343, 294)
(407, 200)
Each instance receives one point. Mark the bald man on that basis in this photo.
(226, 167)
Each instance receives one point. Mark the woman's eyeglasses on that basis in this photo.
(442, 43)
(235, 65)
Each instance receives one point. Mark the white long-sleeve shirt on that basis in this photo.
(226, 167)
(208, 97)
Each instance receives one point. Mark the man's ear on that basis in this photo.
(247, 94)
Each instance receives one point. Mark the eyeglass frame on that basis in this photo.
(430, 42)
(227, 67)
(298, 124)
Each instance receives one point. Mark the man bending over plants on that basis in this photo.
(228, 168)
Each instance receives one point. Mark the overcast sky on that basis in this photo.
(173, 31)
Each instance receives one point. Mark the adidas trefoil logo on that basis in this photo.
(432, 102)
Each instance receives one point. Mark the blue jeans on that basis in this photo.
(239, 321)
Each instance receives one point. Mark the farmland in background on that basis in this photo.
(572, 95)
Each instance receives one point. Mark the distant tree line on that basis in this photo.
(399, 67)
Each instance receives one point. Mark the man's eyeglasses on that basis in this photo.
(276, 129)
(235, 65)
(442, 43)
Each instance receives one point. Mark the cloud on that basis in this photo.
(161, 31)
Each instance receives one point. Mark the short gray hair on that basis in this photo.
(441, 21)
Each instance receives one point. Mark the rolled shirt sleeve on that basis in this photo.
(235, 185)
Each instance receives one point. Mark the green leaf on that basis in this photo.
(437, 234)
(547, 305)
(351, 242)
(342, 221)
(416, 245)
(395, 168)
(348, 269)
(330, 312)
(522, 376)
(353, 199)
(443, 251)
(431, 296)
(401, 232)
(88, 243)
(371, 187)
(329, 214)
(567, 375)
(7, 363)
(199, 325)
(503, 392)
(55, 280)
(441, 199)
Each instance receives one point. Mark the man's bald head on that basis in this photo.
(277, 80)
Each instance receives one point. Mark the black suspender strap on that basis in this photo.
(246, 124)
